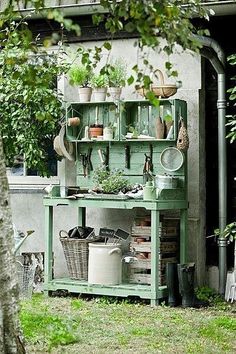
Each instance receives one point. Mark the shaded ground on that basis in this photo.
(101, 326)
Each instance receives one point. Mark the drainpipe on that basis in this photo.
(213, 52)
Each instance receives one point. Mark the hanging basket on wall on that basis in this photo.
(163, 90)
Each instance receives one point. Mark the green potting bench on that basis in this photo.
(122, 115)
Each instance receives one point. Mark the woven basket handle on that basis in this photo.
(63, 234)
(160, 77)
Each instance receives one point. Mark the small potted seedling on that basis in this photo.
(108, 132)
(99, 84)
(79, 75)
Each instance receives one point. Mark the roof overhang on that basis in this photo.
(220, 8)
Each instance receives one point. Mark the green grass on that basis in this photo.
(105, 326)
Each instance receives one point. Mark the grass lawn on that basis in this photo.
(104, 326)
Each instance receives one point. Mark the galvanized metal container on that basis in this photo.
(166, 182)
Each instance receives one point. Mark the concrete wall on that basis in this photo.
(27, 207)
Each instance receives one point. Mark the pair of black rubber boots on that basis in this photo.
(180, 285)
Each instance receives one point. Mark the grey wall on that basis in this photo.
(28, 209)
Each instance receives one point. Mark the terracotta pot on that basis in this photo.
(140, 239)
(95, 132)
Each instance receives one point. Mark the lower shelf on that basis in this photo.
(124, 290)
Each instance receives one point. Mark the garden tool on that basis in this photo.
(172, 284)
(127, 156)
(151, 154)
(146, 168)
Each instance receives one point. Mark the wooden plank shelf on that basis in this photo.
(163, 240)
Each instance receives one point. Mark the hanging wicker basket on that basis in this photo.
(163, 90)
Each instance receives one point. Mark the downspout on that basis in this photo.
(213, 52)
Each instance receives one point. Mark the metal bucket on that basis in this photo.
(166, 182)
(104, 265)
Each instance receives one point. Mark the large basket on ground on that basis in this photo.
(163, 90)
(25, 274)
(76, 253)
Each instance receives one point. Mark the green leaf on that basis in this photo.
(130, 80)
(107, 45)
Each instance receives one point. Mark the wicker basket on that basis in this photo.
(25, 274)
(162, 90)
(76, 254)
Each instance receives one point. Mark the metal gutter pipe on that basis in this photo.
(213, 52)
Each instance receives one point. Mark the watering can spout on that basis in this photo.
(19, 244)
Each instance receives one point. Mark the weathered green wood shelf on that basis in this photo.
(123, 114)
(152, 292)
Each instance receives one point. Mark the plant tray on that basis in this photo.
(106, 196)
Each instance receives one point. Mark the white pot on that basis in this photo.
(107, 133)
(115, 92)
(99, 93)
(104, 265)
(85, 94)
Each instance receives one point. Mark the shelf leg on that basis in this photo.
(183, 235)
(82, 216)
(48, 257)
(155, 245)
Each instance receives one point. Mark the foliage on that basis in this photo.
(232, 91)
(153, 21)
(210, 296)
(79, 75)
(31, 106)
(109, 181)
(57, 330)
(116, 73)
(229, 232)
(99, 81)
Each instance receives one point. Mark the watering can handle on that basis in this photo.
(117, 249)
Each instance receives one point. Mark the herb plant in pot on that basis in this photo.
(99, 84)
(79, 75)
(109, 182)
(116, 75)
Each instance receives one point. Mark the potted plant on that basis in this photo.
(108, 132)
(96, 129)
(79, 75)
(109, 182)
(99, 83)
(117, 76)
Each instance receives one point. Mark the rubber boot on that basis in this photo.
(186, 284)
(172, 284)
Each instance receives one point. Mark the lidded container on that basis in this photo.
(104, 266)
(166, 182)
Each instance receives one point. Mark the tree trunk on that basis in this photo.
(11, 341)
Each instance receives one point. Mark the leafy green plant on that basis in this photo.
(110, 182)
(99, 81)
(232, 91)
(116, 73)
(79, 75)
(230, 233)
